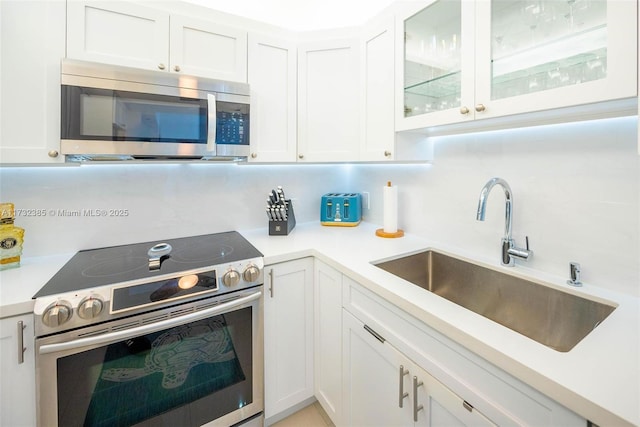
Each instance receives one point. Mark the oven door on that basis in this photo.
(159, 368)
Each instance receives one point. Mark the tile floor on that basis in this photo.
(311, 416)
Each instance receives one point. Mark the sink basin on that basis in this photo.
(549, 316)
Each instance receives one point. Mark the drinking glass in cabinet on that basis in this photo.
(432, 59)
(545, 44)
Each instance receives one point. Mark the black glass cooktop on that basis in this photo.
(108, 266)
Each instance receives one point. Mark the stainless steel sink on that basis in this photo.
(552, 317)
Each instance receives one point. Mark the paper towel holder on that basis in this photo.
(381, 233)
(387, 234)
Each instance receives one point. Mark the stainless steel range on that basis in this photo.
(158, 332)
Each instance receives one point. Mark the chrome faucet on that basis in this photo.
(509, 248)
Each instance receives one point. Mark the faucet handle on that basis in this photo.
(512, 251)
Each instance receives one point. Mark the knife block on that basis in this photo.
(283, 228)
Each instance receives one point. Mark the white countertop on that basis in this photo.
(599, 378)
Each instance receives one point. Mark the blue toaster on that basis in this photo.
(343, 209)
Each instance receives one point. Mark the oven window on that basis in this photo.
(187, 375)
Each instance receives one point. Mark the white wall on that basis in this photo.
(576, 191)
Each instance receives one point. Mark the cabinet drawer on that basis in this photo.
(502, 398)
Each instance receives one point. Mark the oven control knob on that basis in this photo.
(251, 273)
(57, 314)
(90, 307)
(231, 278)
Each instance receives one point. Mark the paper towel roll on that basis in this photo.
(390, 202)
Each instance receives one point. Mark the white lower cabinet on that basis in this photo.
(17, 377)
(369, 363)
(288, 331)
(382, 387)
(328, 339)
(459, 385)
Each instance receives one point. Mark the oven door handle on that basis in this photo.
(149, 328)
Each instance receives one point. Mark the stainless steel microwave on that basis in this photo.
(119, 113)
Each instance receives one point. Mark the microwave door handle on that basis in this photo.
(125, 334)
(212, 114)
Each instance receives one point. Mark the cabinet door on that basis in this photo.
(208, 49)
(439, 406)
(273, 81)
(385, 388)
(32, 43)
(117, 32)
(288, 335)
(435, 74)
(328, 339)
(328, 101)
(549, 54)
(371, 373)
(17, 379)
(378, 91)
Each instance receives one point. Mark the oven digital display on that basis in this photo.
(146, 294)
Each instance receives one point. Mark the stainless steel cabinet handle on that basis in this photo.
(53, 153)
(402, 394)
(176, 68)
(21, 347)
(464, 110)
(387, 153)
(301, 156)
(374, 333)
(480, 108)
(416, 408)
(161, 66)
(271, 283)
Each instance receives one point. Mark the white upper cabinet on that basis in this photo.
(328, 101)
(203, 48)
(120, 33)
(378, 130)
(435, 63)
(550, 54)
(31, 46)
(128, 34)
(273, 81)
(466, 60)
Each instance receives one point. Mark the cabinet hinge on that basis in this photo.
(468, 406)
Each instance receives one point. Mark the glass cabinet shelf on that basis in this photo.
(580, 68)
(436, 94)
(437, 87)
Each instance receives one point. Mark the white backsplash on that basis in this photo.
(576, 194)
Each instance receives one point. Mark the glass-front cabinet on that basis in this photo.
(436, 75)
(474, 59)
